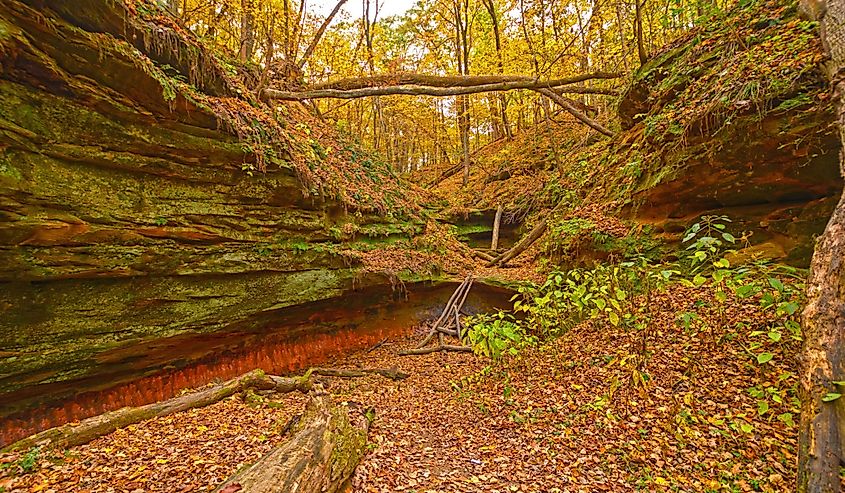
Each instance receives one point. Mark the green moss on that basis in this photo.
(5, 31)
(8, 170)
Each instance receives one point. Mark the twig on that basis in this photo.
(378, 345)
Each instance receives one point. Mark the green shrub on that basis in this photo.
(496, 335)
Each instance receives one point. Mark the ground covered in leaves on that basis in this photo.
(679, 407)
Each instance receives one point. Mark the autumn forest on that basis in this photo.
(557, 246)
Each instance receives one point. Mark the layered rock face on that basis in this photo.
(735, 120)
(129, 211)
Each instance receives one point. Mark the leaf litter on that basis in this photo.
(586, 412)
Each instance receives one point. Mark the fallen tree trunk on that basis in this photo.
(391, 373)
(483, 255)
(88, 429)
(72, 434)
(520, 247)
(409, 90)
(400, 79)
(450, 172)
(327, 444)
(435, 349)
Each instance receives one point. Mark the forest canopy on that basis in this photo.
(290, 46)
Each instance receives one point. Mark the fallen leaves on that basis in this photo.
(567, 416)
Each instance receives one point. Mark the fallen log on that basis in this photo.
(406, 78)
(450, 172)
(434, 349)
(72, 434)
(411, 90)
(326, 446)
(520, 247)
(483, 255)
(391, 373)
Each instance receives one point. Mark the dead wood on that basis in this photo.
(391, 373)
(72, 434)
(520, 247)
(443, 325)
(378, 345)
(483, 255)
(434, 349)
(497, 221)
(500, 176)
(450, 172)
(409, 90)
(327, 444)
(448, 332)
(433, 331)
(458, 327)
(353, 83)
(563, 103)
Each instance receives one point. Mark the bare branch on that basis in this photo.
(310, 50)
(563, 103)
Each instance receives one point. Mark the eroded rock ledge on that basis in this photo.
(127, 214)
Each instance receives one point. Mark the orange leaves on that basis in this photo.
(565, 416)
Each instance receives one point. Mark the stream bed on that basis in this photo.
(287, 340)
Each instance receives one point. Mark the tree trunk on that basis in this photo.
(822, 432)
(638, 25)
(497, 39)
(622, 43)
(494, 244)
(319, 458)
(406, 79)
(426, 85)
(88, 429)
(520, 247)
(463, 127)
(247, 31)
(311, 47)
(70, 435)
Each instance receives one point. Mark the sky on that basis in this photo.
(354, 8)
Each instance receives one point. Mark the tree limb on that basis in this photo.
(563, 103)
(73, 434)
(310, 50)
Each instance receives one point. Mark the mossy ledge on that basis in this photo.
(145, 195)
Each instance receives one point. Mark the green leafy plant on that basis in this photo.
(495, 335)
(29, 461)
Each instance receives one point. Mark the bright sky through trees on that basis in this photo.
(354, 8)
